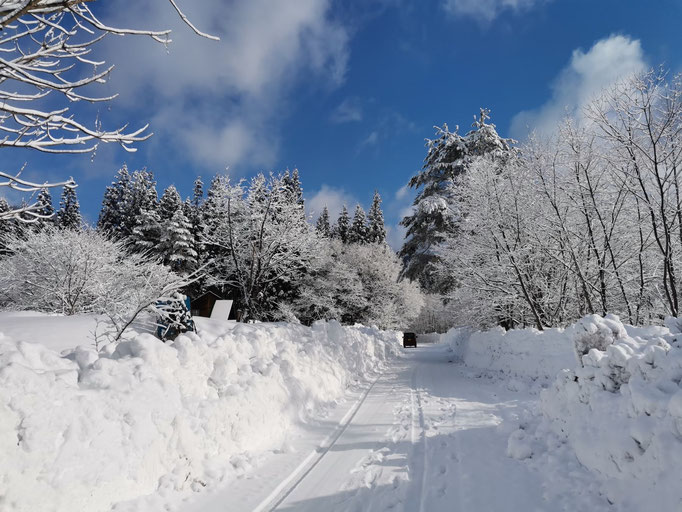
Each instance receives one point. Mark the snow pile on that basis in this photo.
(619, 413)
(518, 353)
(87, 430)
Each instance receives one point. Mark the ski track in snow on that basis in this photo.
(424, 437)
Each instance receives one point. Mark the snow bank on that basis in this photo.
(619, 413)
(87, 430)
(520, 353)
(54, 331)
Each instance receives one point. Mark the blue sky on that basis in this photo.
(348, 91)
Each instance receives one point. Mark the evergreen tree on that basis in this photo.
(7, 227)
(437, 215)
(177, 243)
(45, 209)
(147, 233)
(377, 230)
(212, 208)
(143, 191)
(69, 214)
(342, 228)
(292, 183)
(169, 204)
(114, 219)
(358, 230)
(322, 226)
(198, 196)
(212, 212)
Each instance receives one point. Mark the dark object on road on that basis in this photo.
(409, 339)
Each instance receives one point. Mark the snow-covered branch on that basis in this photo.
(46, 48)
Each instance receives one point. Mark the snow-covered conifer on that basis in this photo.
(169, 203)
(342, 228)
(322, 225)
(113, 217)
(177, 245)
(147, 233)
(436, 215)
(358, 230)
(197, 193)
(377, 230)
(69, 214)
(45, 210)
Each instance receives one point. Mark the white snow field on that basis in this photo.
(283, 417)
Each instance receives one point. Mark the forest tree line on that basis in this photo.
(250, 241)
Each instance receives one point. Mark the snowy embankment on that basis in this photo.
(86, 430)
(618, 411)
(519, 353)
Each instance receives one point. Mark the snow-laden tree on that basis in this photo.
(197, 193)
(147, 233)
(68, 272)
(113, 216)
(69, 213)
(322, 225)
(341, 229)
(356, 283)
(358, 229)
(376, 230)
(436, 215)
(44, 210)
(169, 203)
(391, 302)
(557, 232)
(263, 240)
(177, 244)
(127, 201)
(333, 291)
(641, 119)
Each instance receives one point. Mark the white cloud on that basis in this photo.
(486, 11)
(349, 110)
(333, 199)
(395, 236)
(402, 192)
(222, 101)
(371, 140)
(586, 75)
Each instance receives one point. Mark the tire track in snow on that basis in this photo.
(418, 438)
(288, 485)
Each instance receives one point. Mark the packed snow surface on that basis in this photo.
(87, 430)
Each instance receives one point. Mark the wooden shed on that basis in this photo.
(203, 305)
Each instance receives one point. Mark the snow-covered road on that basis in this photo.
(426, 436)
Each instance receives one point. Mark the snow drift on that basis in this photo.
(86, 430)
(518, 353)
(619, 412)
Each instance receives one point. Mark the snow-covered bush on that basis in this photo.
(88, 429)
(70, 272)
(57, 271)
(596, 332)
